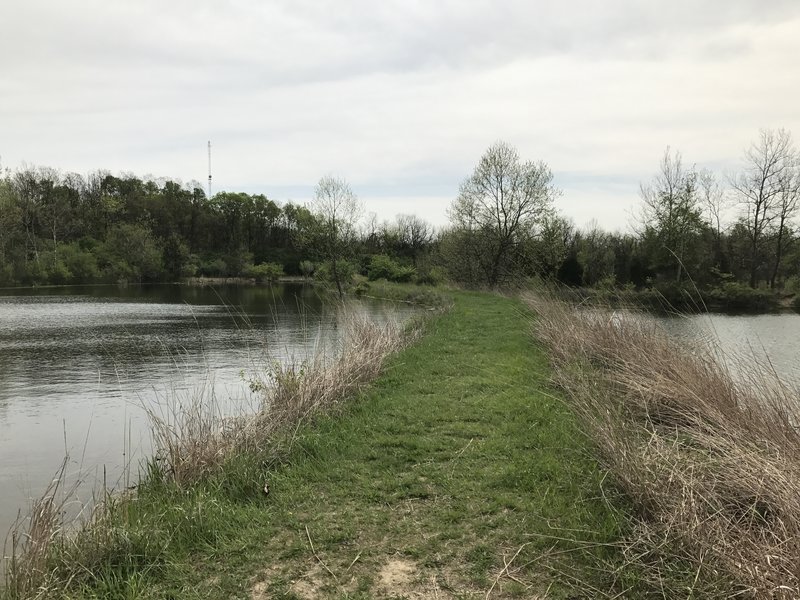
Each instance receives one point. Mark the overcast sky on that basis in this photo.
(400, 97)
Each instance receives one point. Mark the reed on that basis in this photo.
(195, 439)
(706, 450)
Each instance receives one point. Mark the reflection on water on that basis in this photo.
(78, 364)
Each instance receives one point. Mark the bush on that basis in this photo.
(213, 268)
(269, 272)
(383, 267)
(81, 263)
(307, 268)
(792, 285)
(738, 296)
(432, 276)
(6, 274)
(345, 269)
(59, 274)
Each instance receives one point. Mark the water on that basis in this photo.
(773, 340)
(77, 366)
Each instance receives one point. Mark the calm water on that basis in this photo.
(773, 339)
(77, 365)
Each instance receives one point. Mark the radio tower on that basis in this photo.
(209, 170)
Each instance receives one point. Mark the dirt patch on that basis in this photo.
(306, 587)
(397, 576)
(307, 590)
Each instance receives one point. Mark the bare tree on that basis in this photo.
(770, 164)
(785, 210)
(337, 211)
(415, 234)
(498, 208)
(671, 209)
(712, 196)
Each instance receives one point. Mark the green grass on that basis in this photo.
(455, 460)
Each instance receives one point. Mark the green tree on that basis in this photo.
(337, 210)
(131, 253)
(498, 210)
(672, 215)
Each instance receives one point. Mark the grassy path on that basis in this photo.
(455, 462)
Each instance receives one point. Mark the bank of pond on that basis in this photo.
(80, 368)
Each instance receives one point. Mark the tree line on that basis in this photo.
(695, 228)
(58, 228)
(728, 237)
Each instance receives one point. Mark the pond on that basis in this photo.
(78, 366)
(772, 340)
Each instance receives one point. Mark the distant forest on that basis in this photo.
(734, 236)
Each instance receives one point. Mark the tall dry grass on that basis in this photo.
(710, 462)
(197, 439)
(32, 537)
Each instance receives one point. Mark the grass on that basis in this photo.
(710, 462)
(457, 474)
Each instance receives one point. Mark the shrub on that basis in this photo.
(431, 276)
(792, 285)
(80, 262)
(383, 267)
(307, 268)
(213, 268)
(345, 269)
(738, 296)
(269, 272)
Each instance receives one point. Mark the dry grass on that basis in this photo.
(196, 439)
(29, 543)
(711, 462)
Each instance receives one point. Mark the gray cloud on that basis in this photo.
(400, 96)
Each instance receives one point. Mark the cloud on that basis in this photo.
(400, 97)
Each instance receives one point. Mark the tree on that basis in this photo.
(767, 188)
(337, 210)
(552, 248)
(498, 210)
(414, 235)
(672, 213)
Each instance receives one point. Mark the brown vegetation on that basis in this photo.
(710, 461)
(196, 439)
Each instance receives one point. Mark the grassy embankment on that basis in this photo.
(455, 475)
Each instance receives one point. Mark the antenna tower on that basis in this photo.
(209, 170)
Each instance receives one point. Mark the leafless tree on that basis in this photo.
(713, 198)
(785, 210)
(671, 208)
(337, 210)
(764, 191)
(414, 233)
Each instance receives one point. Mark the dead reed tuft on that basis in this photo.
(711, 462)
(30, 541)
(196, 438)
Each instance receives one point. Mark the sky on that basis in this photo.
(399, 97)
